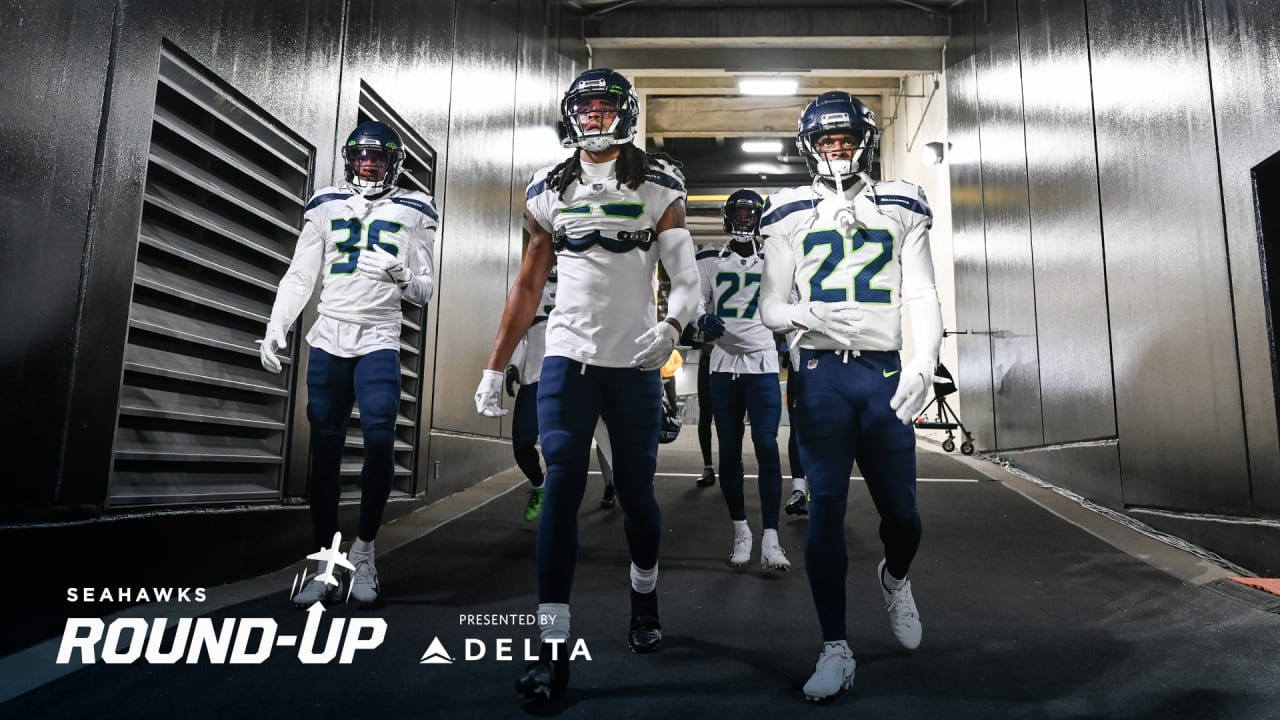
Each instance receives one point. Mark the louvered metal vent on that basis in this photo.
(199, 419)
(419, 173)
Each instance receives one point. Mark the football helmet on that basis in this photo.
(741, 215)
(590, 93)
(373, 143)
(837, 112)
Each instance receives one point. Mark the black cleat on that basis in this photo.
(545, 678)
(645, 634)
(708, 478)
(610, 497)
(798, 504)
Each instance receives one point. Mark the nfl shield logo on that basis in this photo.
(597, 187)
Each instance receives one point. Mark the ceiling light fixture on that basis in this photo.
(760, 86)
(771, 147)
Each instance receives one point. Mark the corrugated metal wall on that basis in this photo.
(81, 78)
(1101, 190)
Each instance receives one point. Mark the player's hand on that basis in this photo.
(487, 394)
(513, 379)
(273, 341)
(381, 265)
(840, 321)
(710, 327)
(657, 344)
(908, 400)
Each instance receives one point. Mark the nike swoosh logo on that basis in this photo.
(890, 373)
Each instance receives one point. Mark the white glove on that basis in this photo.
(487, 394)
(908, 400)
(381, 265)
(658, 342)
(273, 341)
(840, 321)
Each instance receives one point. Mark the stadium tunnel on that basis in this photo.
(1104, 184)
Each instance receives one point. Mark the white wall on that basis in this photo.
(907, 124)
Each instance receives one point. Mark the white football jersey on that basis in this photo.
(873, 249)
(358, 314)
(605, 299)
(403, 222)
(731, 291)
(536, 339)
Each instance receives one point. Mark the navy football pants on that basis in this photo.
(844, 416)
(794, 384)
(334, 384)
(733, 400)
(524, 433)
(704, 406)
(571, 396)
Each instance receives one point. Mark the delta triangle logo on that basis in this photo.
(436, 654)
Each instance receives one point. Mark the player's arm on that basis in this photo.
(775, 286)
(294, 291)
(920, 295)
(421, 285)
(299, 280)
(526, 293)
(675, 249)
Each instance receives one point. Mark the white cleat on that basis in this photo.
(364, 579)
(904, 619)
(772, 556)
(314, 590)
(833, 674)
(740, 556)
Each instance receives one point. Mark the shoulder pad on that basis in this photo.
(419, 201)
(324, 195)
(783, 203)
(902, 194)
(537, 183)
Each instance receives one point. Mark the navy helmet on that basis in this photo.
(834, 112)
(741, 214)
(373, 142)
(614, 89)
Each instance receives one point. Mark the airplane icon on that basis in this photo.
(331, 556)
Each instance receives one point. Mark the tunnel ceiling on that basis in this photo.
(687, 56)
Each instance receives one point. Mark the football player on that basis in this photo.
(857, 250)
(744, 375)
(604, 217)
(370, 244)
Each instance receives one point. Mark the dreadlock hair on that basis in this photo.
(633, 164)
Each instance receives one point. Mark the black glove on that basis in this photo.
(784, 358)
(711, 327)
(513, 379)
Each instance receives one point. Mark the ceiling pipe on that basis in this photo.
(613, 7)
(918, 6)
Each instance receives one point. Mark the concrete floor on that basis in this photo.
(1032, 607)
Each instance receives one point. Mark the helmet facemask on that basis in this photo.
(580, 113)
(744, 223)
(819, 151)
(604, 99)
(382, 164)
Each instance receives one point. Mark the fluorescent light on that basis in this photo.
(767, 87)
(771, 147)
